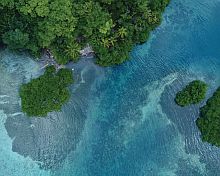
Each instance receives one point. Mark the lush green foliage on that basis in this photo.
(111, 27)
(46, 93)
(15, 39)
(209, 121)
(193, 93)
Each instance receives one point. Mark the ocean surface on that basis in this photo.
(120, 121)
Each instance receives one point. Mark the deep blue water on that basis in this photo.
(121, 121)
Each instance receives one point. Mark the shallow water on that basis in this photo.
(120, 121)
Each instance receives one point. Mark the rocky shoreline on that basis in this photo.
(48, 58)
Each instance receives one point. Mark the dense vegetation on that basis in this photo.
(65, 27)
(193, 93)
(46, 93)
(209, 121)
(111, 27)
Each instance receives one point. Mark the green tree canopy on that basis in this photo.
(34, 7)
(46, 93)
(209, 120)
(16, 39)
(193, 93)
(111, 27)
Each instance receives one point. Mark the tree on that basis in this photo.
(209, 120)
(72, 50)
(106, 43)
(122, 32)
(193, 93)
(46, 93)
(7, 3)
(34, 7)
(16, 39)
(106, 29)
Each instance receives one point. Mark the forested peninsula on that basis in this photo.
(209, 120)
(65, 27)
(111, 27)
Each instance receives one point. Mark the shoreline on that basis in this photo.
(47, 58)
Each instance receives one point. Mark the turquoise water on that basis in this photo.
(120, 121)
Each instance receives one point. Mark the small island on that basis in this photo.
(46, 93)
(193, 93)
(209, 120)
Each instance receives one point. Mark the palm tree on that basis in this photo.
(106, 43)
(72, 50)
(155, 19)
(112, 41)
(122, 32)
(149, 16)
